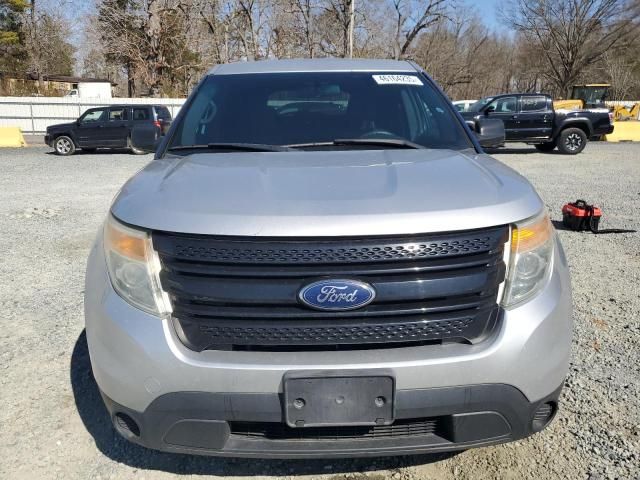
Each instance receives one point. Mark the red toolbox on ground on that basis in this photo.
(579, 215)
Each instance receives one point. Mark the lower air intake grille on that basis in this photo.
(350, 334)
(280, 431)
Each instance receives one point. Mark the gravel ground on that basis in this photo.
(53, 425)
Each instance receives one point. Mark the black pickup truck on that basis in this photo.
(531, 118)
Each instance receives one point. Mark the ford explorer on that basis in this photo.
(321, 261)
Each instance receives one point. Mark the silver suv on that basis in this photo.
(321, 261)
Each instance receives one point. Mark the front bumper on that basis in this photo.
(183, 401)
(251, 424)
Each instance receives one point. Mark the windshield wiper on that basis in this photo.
(240, 147)
(378, 142)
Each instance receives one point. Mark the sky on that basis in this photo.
(487, 9)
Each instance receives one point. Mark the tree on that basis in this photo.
(412, 18)
(12, 53)
(33, 42)
(117, 24)
(164, 46)
(571, 35)
(215, 39)
(304, 14)
(450, 50)
(620, 72)
(335, 23)
(149, 41)
(46, 45)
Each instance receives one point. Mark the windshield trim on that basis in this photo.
(362, 142)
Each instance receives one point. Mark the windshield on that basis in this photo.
(298, 109)
(591, 95)
(476, 106)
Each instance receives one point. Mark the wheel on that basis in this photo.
(572, 141)
(89, 150)
(64, 145)
(134, 150)
(545, 147)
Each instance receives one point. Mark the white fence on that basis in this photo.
(34, 114)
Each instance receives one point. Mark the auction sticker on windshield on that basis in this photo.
(397, 80)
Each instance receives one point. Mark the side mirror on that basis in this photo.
(489, 110)
(144, 136)
(490, 132)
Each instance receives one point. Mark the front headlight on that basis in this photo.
(134, 267)
(530, 260)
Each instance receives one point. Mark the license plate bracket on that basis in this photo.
(321, 399)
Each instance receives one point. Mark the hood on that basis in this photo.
(61, 126)
(325, 193)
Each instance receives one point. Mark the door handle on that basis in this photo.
(514, 117)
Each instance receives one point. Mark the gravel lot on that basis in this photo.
(53, 425)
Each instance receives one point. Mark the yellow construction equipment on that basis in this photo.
(11, 137)
(591, 95)
(622, 113)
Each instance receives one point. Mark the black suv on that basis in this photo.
(106, 127)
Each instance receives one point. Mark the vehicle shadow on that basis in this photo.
(96, 420)
(100, 151)
(519, 150)
(558, 225)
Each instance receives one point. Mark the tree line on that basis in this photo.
(33, 40)
(162, 47)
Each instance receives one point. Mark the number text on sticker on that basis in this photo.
(397, 80)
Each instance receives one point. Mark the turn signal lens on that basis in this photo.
(527, 237)
(126, 242)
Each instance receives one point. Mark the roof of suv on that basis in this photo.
(313, 65)
(517, 94)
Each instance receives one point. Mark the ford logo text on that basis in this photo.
(337, 294)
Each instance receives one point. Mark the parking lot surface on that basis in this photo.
(52, 421)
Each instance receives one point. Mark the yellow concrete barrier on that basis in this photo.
(626, 131)
(11, 137)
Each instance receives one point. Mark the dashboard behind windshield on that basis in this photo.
(303, 108)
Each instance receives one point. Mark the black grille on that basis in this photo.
(376, 333)
(280, 431)
(357, 252)
(240, 293)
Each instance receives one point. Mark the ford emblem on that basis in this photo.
(337, 294)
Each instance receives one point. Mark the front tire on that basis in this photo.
(63, 145)
(572, 141)
(545, 147)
